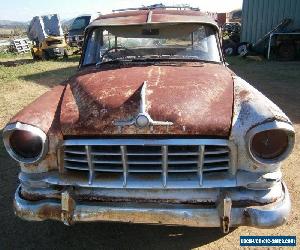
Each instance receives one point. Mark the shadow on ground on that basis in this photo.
(51, 78)
(16, 62)
(19, 62)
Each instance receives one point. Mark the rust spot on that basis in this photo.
(158, 16)
(198, 99)
(32, 196)
(47, 212)
(141, 200)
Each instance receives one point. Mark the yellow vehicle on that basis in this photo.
(51, 48)
(47, 37)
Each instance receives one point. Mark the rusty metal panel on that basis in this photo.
(196, 98)
(156, 16)
(159, 18)
(261, 16)
(123, 20)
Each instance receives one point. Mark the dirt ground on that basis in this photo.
(279, 81)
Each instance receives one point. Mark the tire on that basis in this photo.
(229, 50)
(242, 49)
(287, 51)
(45, 56)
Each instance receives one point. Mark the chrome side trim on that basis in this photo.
(142, 113)
(10, 128)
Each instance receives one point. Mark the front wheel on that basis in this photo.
(229, 50)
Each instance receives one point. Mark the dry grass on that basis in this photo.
(22, 80)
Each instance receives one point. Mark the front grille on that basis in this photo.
(167, 160)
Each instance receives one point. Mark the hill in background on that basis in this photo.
(7, 24)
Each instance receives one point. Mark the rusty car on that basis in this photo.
(153, 128)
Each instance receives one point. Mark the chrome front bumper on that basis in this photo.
(68, 211)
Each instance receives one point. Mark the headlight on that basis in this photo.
(25, 143)
(271, 142)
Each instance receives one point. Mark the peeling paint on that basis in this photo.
(251, 108)
(198, 99)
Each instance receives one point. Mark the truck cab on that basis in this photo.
(76, 31)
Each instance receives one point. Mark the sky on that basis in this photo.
(24, 10)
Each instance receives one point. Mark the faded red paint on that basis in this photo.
(126, 20)
(123, 14)
(161, 16)
(154, 12)
(153, 16)
(197, 98)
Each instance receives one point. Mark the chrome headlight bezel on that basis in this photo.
(274, 125)
(11, 128)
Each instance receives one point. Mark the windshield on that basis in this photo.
(80, 23)
(181, 41)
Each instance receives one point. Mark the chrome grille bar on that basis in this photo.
(90, 164)
(125, 164)
(170, 153)
(200, 164)
(138, 162)
(165, 164)
(225, 159)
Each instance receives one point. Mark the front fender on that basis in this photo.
(252, 108)
(44, 113)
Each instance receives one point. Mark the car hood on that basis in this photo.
(197, 98)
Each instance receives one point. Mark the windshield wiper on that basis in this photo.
(114, 61)
(172, 58)
(156, 58)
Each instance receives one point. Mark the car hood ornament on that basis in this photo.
(142, 119)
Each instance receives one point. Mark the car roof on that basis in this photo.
(155, 16)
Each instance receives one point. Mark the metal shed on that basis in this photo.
(261, 16)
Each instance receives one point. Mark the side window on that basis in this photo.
(92, 51)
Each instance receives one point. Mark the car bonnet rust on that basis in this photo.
(196, 98)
